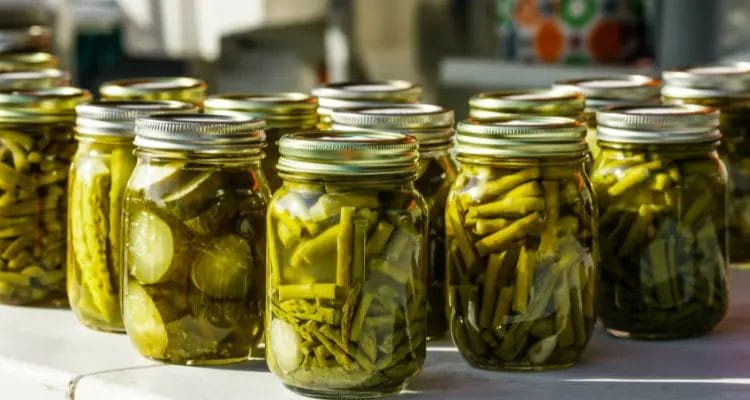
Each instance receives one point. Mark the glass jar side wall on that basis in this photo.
(663, 239)
(347, 286)
(194, 254)
(33, 206)
(521, 271)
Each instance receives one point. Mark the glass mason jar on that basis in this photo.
(611, 91)
(36, 79)
(283, 112)
(27, 61)
(99, 173)
(36, 140)
(508, 104)
(347, 95)
(432, 126)
(188, 90)
(662, 192)
(728, 89)
(522, 244)
(347, 237)
(194, 239)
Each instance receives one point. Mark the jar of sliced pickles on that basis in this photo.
(433, 127)
(347, 95)
(521, 244)
(347, 247)
(36, 141)
(27, 61)
(506, 104)
(99, 173)
(611, 91)
(194, 239)
(662, 192)
(283, 112)
(188, 90)
(726, 87)
(34, 79)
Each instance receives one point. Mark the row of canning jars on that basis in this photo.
(192, 216)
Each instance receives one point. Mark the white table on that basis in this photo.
(47, 354)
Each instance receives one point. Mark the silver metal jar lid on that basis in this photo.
(522, 137)
(387, 91)
(708, 81)
(284, 103)
(560, 101)
(34, 79)
(332, 153)
(430, 124)
(41, 106)
(658, 124)
(211, 134)
(279, 110)
(117, 118)
(616, 87)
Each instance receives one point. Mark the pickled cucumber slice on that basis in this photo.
(195, 195)
(144, 322)
(223, 267)
(150, 248)
(285, 345)
(212, 219)
(147, 176)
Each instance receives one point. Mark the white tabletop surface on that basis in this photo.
(47, 354)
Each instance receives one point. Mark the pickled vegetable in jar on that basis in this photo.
(283, 112)
(194, 239)
(610, 91)
(521, 243)
(348, 95)
(99, 173)
(347, 243)
(432, 126)
(662, 192)
(188, 90)
(27, 61)
(507, 104)
(36, 141)
(726, 87)
(37, 79)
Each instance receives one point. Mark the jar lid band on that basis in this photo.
(386, 91)
(284, 103)
(522, 137)
(555, 101)
(338, 153)
(658, 124)
(616, 87)
(117, 118)
(204, 133)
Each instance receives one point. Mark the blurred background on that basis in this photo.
(454, 48)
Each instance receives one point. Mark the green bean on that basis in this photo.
(366, 261)
(515, 256)
(650, 221)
